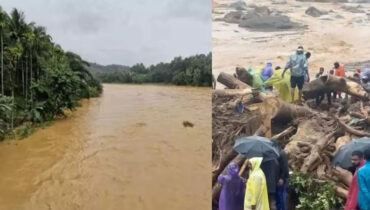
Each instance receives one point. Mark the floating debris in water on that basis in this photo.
(187, 124)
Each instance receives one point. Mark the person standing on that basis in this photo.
(307, 75)
(256, 193)
(271, 170)
(267, 72)
(233, 189)
(298, 65)
(339, 72)
(321, 72)
(213, 82)
(363, 178)
(282, 185)
(352, 198)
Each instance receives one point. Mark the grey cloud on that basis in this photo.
(85, 22)
(123, 31)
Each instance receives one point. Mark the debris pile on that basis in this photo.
(310, 135)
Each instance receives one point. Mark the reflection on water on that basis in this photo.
(125, 150)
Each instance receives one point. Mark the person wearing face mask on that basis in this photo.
(298, 67)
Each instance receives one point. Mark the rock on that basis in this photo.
(359, 21)
(269, 23)
(339, 17)
(359, 1)
(324, 1)
(312, 11)
(233, 17)
(261, 18)
(278, 1)
(260, 11)
(238, 5)
(352, 9)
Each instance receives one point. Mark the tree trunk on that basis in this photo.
(244, 76)
(31, 76)
(22, 78)
(232, 92)
(231, 82)
(26, 78)
(2, 64)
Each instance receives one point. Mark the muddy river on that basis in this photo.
(125, 150)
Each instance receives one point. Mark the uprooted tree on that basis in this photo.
(310, 136)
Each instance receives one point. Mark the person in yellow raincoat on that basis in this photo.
(282, 85)
(256, 197)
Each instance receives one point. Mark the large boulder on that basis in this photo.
(269, 23)
(278, 1)
(353, 9)
(261, 18)
(359, 1)
(238, 5)
(324, 1)
(233, 17)
(314, 12)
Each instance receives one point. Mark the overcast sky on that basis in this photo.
(123, 31)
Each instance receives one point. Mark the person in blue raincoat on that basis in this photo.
(363, 178)
(267, 72)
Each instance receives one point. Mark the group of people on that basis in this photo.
(299, 68)
(265, 189)
(359, 190)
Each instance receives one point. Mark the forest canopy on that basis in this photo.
(38, 79)
(194, 70)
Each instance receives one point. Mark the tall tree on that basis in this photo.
(3, 22)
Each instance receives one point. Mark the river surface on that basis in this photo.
(127, 149)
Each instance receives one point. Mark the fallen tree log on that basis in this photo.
(286, 132)
(231, 82)
(244, 76)
(341, 192)
(233, 92)
(341, 141)
(343, 175)
(351, 130)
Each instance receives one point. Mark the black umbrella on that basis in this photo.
(343, 157)
(256, 146)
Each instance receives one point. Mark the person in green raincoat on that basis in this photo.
(256, 197)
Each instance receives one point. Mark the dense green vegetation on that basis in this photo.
(195, 70)
(314, 194)
(39, 80)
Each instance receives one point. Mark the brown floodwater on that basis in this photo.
(127, 149)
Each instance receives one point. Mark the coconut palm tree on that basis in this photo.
(4, 18)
